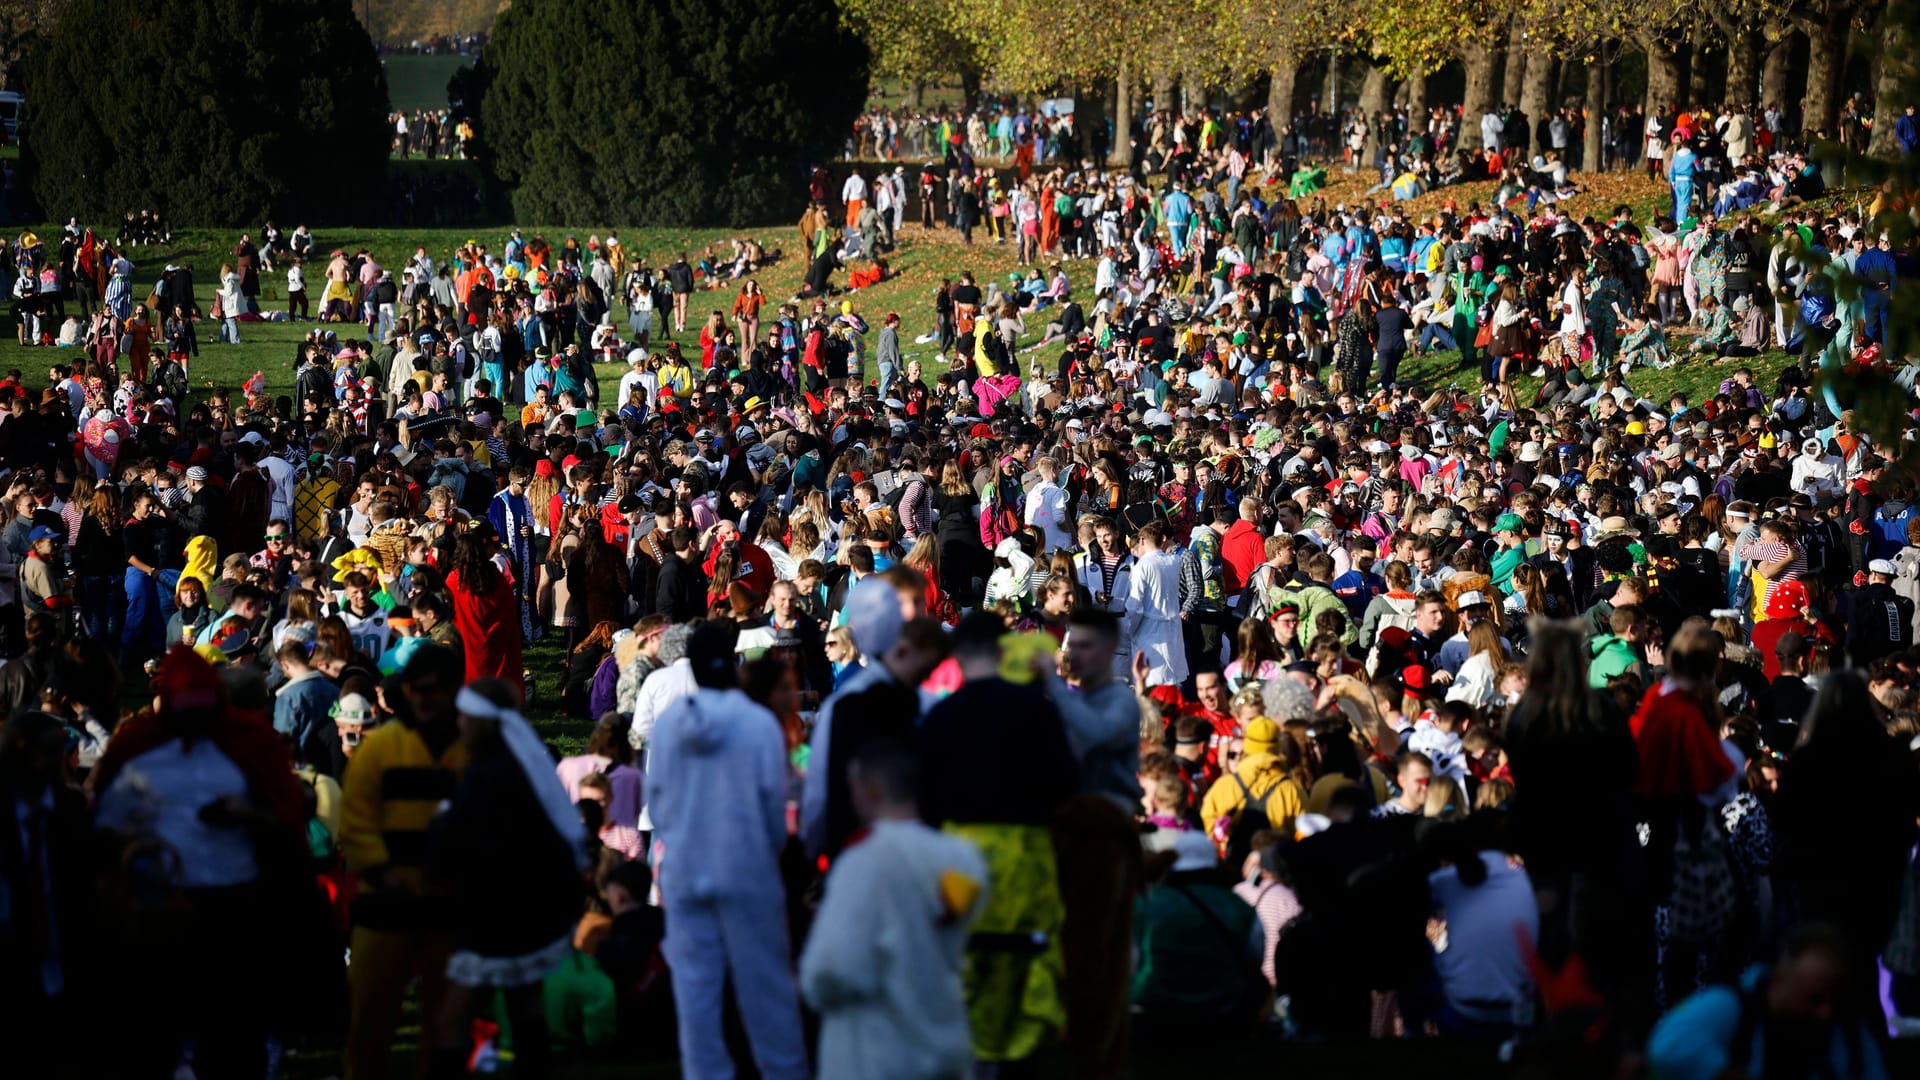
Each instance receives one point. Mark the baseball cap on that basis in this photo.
(42, 532)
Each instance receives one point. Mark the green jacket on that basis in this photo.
(1503, 564)
(1312, 599)
(1199, 948)
(1611, 655)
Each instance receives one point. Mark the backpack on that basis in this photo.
(1394, 617)
(1243, 605)
(1235, 831)
(1701, 906)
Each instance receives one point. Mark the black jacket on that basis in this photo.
(680, 590)
(1881, 623)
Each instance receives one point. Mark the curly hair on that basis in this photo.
(1285, 700)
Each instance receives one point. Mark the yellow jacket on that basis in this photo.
(1266, 780)
(393, 787)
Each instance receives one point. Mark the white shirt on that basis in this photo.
(161, 793)
(854, 190)
(661, 689)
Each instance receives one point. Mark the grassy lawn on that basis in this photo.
(420, 82)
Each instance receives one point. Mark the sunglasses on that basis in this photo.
(276, 536)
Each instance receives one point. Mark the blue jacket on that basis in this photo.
(1906, 132)
(1695, 1040)
(303, 711)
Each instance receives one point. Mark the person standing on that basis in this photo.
(888, 352)
(680, 280)
(511, 846)
(854, 194)
(1004, 804)
(394, 784)
(1153, 613)
(719, 873)
(484, 612)
(882, 964)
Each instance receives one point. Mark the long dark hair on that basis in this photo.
(473, 561)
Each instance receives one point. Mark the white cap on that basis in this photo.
(1882, 566)
(1469, 599)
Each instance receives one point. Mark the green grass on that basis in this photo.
(420, 82)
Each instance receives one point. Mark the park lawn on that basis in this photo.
(916, 269)
(419, 81)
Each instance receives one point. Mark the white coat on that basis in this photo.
(882, 964)
(1153, 618)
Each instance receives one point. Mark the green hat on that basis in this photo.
(1240, 337)
(1503, 270)
(585, 419)
(1510, 523)
(1168, 365)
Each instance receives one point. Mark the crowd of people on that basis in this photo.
(431, 133)
(1185, 679)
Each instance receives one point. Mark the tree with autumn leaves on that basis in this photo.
(1512, 52)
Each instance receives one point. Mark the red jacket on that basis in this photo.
(1242, 549)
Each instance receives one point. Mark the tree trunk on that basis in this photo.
(1663, 75)
(1826, 51)
(1743, 67)
(1330, 92)
(1516, 68)
(916, 92)
(1596, 108)
(1416, 95)
(1893, 70)
(1089, 119)
(969, 87)
(1280, 93)
(1773, 73)
(1479, 59)
(1373, 99)
(1120, 155)
(1163, 88)
(1698, 72)
(1535, 99)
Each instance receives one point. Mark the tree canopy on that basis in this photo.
(670, 112)
(213, 112)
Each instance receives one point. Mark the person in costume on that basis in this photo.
(511, 848)
(512, 519)
(395, 781)
(208, 788)
(719, 873)
(1005, 806)
(882, 964)
(484, 611)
